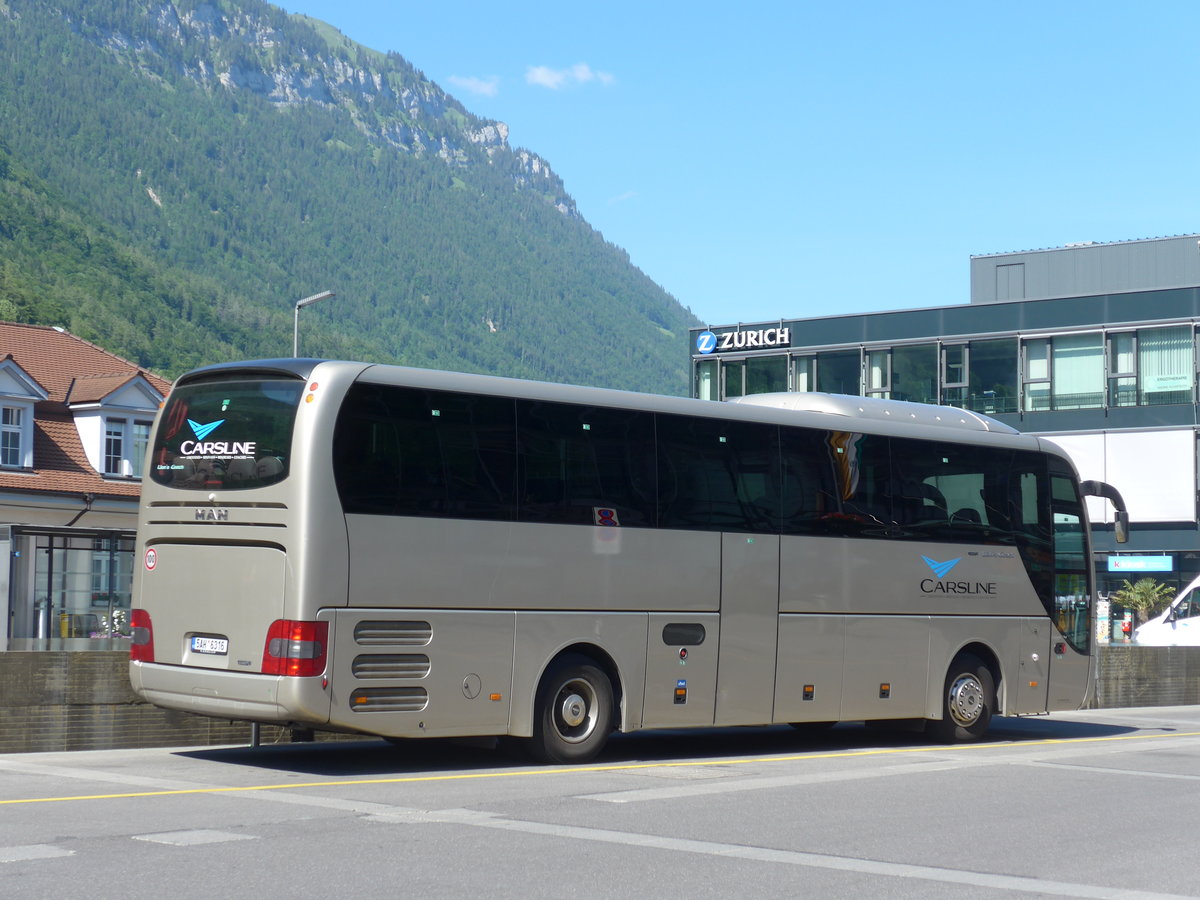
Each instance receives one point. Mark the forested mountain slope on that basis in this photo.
(173, 176)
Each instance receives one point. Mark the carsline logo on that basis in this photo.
(940, 586)
(218, 449)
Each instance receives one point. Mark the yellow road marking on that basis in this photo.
(612, 767)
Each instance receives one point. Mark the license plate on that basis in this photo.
(213, 645)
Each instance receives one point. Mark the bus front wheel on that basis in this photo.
(574, 711)
(967, 701)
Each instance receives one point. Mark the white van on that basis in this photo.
(1178, 625)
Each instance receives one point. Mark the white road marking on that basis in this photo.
(799, 858)
(192, 838)
(32, 851)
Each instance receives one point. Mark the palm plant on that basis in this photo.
(1145, 597)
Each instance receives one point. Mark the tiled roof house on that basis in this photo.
(74, 428)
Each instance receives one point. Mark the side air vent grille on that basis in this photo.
(389, 699)
(406, 634)
(390, 665)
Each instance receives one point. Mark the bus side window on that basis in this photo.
(575, 460)
(862, 465)
(808, 492)
(699, 464)
(366, 460)
(964, 487)
(411, 452)
(476, 441)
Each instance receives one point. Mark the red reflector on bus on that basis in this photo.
(295, 649)
(141, 648)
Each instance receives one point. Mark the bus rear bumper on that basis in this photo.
(227, 695)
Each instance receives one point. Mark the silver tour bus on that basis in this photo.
(410, 553)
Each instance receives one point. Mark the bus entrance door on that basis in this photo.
(749, 628)
(1033, 675)
(1071, 673)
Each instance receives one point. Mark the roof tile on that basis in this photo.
(71, 370)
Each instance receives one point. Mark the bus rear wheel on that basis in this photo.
(968, 701)
(574, 712)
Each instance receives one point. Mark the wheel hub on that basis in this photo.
(573, 710)
(966, 700)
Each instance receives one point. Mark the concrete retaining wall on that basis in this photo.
(64, 700)
(82, 700)
(1146, 676)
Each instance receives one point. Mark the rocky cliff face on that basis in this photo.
(253, 47)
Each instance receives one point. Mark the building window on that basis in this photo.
(766, 374)
(112, 578)
(706, 380)
(11, 432)
(879, 374)
(1037, 375)
(804, 373)
(839, 372)
(114, 446)
(992, 376)
(125, 445)
(915, 373)
(1064, 372)
(1165, 365)
(1122, 369)
(954, 374)
(981, 376)
(904, 373)
(70, 587)
(1077, 375)
(141, 440)
(733, 373)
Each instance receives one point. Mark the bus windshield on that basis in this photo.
(229, 435)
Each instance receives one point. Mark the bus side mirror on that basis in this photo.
(1121, 526)
(1110, 493)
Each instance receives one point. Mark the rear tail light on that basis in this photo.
(141, 649)
(295, 648)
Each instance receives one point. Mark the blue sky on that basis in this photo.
(769, 159)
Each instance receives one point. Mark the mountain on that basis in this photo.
(175, 175)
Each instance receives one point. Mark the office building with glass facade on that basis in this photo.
(1091, 345)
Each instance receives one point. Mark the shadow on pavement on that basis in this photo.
(366, 756)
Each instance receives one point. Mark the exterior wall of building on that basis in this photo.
(73, 437)
(1086, 269)
(67, 583)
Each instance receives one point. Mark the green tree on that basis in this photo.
(1145, 597)
(173, 218)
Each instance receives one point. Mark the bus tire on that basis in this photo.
(574, 712)
(968, 700)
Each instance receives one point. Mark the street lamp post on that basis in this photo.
(307, 301)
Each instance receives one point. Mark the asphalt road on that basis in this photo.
(1100, 803)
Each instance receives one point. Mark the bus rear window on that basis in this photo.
(226, 435)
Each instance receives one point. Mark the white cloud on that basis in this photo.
(580, 73)
(487, 87)
(621, 198)
(545, 77)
